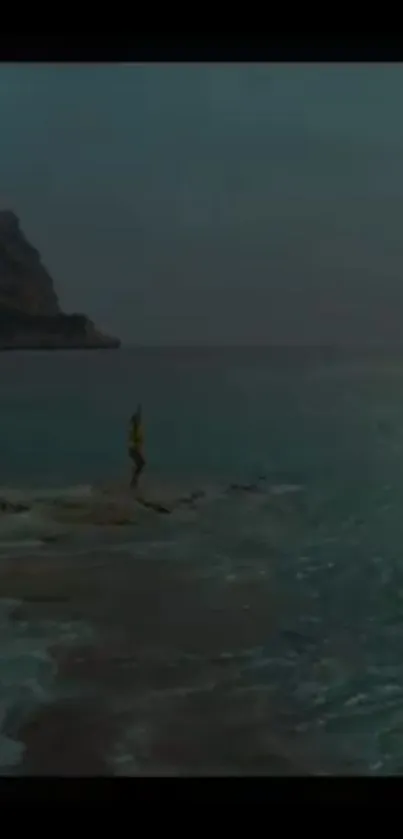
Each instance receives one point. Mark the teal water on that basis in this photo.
(63, 416)
(330, 431)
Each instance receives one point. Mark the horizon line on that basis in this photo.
(276, 345)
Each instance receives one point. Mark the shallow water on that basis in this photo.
(254, 631)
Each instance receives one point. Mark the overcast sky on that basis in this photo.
(213, 203)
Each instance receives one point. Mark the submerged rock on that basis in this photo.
(12, 507)
(153, 505)
(254, 487)
(190, 500)
(113, 505)
(96, 513)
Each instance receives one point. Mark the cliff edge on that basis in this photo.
(30, 315)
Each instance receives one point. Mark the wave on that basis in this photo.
(27, 673)
(28, 529)
(42, 495)
(30, 518)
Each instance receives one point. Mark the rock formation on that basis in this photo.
(30, 315)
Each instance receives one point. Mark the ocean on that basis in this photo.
(253, 628)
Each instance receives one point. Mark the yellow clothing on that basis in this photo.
(136, 436)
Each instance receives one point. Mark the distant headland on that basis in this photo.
(30, 314)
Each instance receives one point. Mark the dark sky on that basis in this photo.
(213, 203)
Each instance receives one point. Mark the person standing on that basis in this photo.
(136, 446)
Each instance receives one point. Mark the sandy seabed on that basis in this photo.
(121, 658)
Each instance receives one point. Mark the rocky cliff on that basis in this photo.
(30, 315)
